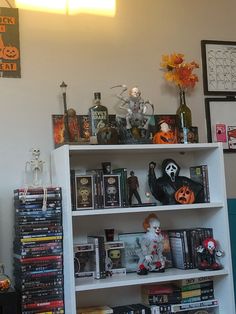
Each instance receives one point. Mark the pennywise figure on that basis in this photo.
(152, 245)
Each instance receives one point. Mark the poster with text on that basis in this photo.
(9, 43)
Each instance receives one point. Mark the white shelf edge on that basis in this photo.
(132, 279)
(130, 147)
(125, 210)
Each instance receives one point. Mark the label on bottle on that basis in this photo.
(98, 120)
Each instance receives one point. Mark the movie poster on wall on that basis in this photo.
(9, 43)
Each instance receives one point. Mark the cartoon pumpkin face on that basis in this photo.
(184, 195)
(10, 53)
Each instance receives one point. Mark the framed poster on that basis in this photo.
(219, 67)
(221, 122)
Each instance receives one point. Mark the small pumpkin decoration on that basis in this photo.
(10, 53)
(185, 195)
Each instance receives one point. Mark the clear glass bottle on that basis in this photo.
(184, 117)
(98, 115)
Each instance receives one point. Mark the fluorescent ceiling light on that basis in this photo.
(98, 7)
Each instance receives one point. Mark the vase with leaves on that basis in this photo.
(180, 73)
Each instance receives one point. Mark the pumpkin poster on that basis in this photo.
(9, 43)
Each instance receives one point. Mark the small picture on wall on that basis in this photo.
(221, 122)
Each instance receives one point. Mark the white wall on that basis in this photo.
(92, 53)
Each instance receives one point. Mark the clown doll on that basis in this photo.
(152, 243)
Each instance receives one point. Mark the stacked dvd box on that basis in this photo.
(38, 250)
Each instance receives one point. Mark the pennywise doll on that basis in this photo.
(152, 243)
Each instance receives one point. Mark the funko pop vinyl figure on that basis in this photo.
(208, 253)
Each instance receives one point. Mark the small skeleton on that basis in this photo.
(36, 166)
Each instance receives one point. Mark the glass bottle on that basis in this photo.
(98, 115)
(184, 117)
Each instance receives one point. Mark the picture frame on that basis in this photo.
(221, 122)
(131, 253)
(219, 67)
(80, 129)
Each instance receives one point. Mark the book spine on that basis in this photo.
(158, 299)
(200, 285)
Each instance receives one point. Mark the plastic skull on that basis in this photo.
(171, 170)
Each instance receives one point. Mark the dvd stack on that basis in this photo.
(38, 250)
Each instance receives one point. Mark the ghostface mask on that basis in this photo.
(171, 170)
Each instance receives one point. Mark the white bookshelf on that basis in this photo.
(78, 224)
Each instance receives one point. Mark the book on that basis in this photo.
(99, 261)
(153, 289)
(197, 292)
(197, 285)
(162, 298)
(191, 281)
(95, 310)
(200, 174)
(175, 308)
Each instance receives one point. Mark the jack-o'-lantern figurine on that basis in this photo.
(185, 195)
(172, 188)
(165, 135)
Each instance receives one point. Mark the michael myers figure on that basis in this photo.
(171, 188)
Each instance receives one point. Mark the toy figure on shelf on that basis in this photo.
(133, 186)
(208, 253)
(36, 167)
(152, 245)
(172, 188)
(138, 111)
(165, 135)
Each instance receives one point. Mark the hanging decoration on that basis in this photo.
(9, 43)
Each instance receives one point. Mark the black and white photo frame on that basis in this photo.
(219, 67)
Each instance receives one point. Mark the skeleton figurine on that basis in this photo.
(136, 109)
(36, 167)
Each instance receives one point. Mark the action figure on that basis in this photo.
(137, 117)
(208, 254)
(152, 245)
(172, 188)
(133, 186)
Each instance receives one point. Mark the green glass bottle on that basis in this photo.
(184, 117)
(98, 115)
